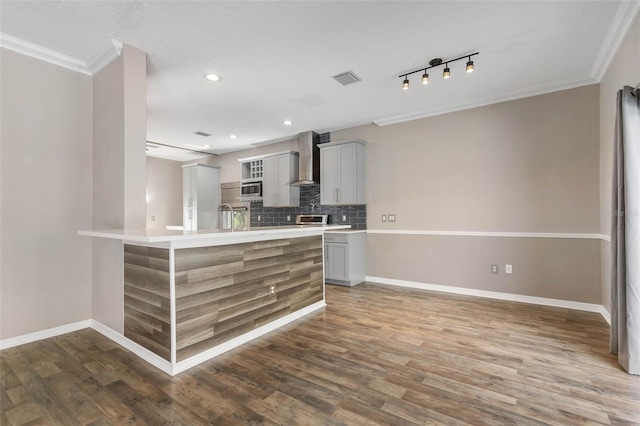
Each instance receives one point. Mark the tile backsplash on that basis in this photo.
(356, 215)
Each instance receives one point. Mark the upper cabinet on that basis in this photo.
(252, 169)
(280, 171)
(342, 173)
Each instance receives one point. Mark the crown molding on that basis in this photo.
(620, 26)
(104, 56)
(42, 53)
(510, 96)
(98, 60)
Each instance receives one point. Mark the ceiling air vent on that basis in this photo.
(346, 78)
(205, 134)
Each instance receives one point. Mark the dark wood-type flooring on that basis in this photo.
(375, 355)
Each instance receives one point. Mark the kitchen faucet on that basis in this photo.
(230, 209)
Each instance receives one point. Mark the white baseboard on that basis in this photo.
(245, 338)
(44, 334)
(142, 352)
(149, 356)
(605, 314)
(558, 303)
(181, 366)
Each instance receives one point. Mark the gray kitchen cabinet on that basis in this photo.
(342, 177)
(200, 196)
(279, 172)
(344, 257)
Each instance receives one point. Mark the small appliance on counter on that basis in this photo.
(312, 219)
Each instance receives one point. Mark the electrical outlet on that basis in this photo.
(272, 289)
(344, 217)
(508, 269)
(259, 218)
(494, 269)
(153, 218)
(288, 218)
(392, 218)
(384, 217)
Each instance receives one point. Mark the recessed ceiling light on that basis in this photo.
(233, 136)
(197, 146)
(287, 122)
(212, 77)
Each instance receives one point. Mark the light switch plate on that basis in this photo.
(384, 217)
(392, 218)
(508, 269)
(494, 269)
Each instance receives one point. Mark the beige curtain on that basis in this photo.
(625, 233)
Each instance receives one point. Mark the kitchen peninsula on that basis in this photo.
(189, 296)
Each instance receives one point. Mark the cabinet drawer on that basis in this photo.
(336, 238)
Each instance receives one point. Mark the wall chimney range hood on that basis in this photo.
(309, 167)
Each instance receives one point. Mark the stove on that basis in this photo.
(312, 219)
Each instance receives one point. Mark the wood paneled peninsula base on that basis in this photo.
(191, 296)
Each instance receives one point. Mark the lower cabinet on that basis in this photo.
(345, 257)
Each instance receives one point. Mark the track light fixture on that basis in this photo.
(425, 77)
(436, 62)
(470, 65)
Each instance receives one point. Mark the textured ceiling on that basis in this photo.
(276, 59)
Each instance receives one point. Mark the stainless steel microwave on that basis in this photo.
(251, 191)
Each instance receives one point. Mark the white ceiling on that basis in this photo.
(276, 59)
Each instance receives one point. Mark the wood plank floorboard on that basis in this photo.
(376, 355)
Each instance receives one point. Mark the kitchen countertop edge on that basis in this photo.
(167, 236)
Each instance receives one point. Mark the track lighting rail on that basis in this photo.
(436, 62)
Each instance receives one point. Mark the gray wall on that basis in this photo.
(623, 70)
(119, 174)
(529, 165)
(45, 174)
(164, 193)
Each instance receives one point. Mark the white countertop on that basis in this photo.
(346, 231)
(210, 236)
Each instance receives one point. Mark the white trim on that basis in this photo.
(581, 306)
(106, 54)
(247, 337)
(511, 96)
(102, 57)
(605, 237)
(491, 234)
(42, 53)
(44, 334)
(126, 343)
(605, 314)
(619, 28)
(172, 303)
